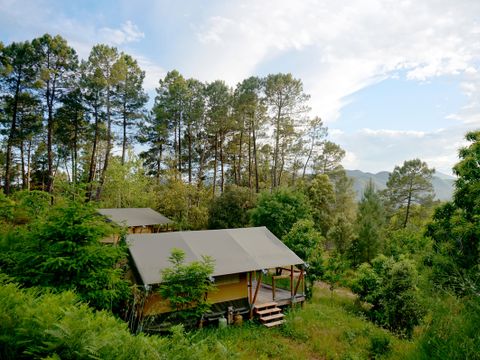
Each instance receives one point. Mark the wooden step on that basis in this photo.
(271, 317)
(268, 311)
(266, 305)
(274, 323)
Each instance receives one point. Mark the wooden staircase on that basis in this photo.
(269, 314)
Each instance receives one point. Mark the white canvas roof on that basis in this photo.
(233, 250)
(135, 216)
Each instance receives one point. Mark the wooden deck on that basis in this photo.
(282, 297)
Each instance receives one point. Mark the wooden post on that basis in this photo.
(291, 281)
(250, 284)
(273, 288)
(259, 282)
(300, 278)
(252, 304)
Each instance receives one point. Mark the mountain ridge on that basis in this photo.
(442, 183)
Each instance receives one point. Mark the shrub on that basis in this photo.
(280, 210)
(186, 285)
(390, 286)
(230, 209)
(379, 346)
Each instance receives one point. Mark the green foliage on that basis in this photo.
(334, 270)
(379, 346)
(369, 227)
(280, 210)
(452, 331)
(186, 286)
(31, 204)
(307, 243)
(407, 242)
(390, 287)
(321, 196)
(6, 208)
(455, 227)
(185, 204)
(43, 325)
(63, 252)
(230, 209)
(409, 184)
(127, 185)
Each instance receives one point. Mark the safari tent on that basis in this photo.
(242, 258)
(137, 220)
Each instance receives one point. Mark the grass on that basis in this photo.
(329, 327)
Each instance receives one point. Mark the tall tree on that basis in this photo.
(169, 107)
(250, 117)
(153, 132)
(195, 130)
(369, 226)
(70, 130)
(328, 158)
(220, 124)
(18, 75)
(98, 83)
(316, 135)
(286, 100)
(56, 62)
(409, 184)
(455, 227)
(131, 98)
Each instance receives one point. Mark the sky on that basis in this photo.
(393, 80)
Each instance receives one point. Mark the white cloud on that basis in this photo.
(379, 150)
(127, 33)
(153, 72)
(350, 44)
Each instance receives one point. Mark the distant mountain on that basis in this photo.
(442, 183)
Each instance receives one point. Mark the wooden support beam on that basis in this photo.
(300, 279)
(259, 282)
(273, 287)
(250, 285)
(291, 281)
(280, 276)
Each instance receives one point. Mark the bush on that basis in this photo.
(280, 210)
(37, 324)
(390, 286)
(230, 209)
(379, 346)
(63, 252)
(185, 285)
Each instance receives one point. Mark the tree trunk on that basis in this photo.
(11, 136)
(22, 164)
(189, 130)
(255, 159)
(180, 143)
(108, 150)
(275, 150)
(91, 171)
(240, 155)
(215, 166)
(221, 164)
(29, 157)
(124, 142)
(308, 158)
(409, 200)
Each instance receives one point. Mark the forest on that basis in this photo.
(394, 275)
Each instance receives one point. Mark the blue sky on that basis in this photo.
(392, 79)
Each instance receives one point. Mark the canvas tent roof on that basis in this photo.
(135, 216)
(234, 251)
